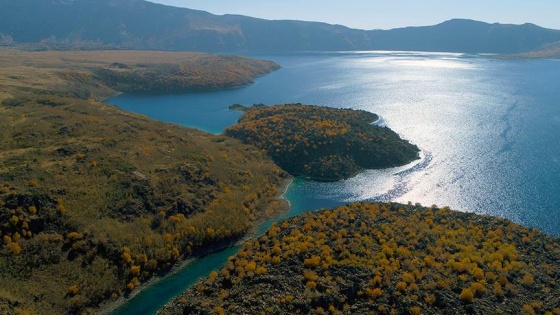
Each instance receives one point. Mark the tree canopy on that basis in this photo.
(322, 143)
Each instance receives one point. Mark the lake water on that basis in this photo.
(489, 129)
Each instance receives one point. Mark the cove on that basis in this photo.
(488, 129)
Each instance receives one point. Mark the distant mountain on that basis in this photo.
(138, 24)
(460, 35)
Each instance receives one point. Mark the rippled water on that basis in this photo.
(489, 129)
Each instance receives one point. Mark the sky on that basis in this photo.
(385, 14)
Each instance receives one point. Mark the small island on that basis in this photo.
(322, 143)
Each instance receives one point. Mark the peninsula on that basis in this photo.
(385, 258)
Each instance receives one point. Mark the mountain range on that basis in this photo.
(138, 24)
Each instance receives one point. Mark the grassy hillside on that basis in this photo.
(94, 201)
(320, 142)
(367, 258)
(100, 74)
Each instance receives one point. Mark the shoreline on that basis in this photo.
(253, 231)
(229, 86)
(110, 307)
(284, 188)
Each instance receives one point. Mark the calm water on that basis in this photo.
(489, 129)
(152, 299)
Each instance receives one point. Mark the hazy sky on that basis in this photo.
(385, 14)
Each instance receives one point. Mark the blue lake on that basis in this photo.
(489, 129)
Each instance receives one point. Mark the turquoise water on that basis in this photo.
(150, 300)
(489, 129)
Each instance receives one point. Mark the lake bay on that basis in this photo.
(489, 129)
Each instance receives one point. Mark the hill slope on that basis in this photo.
(95, 201)
(367, 258)
(138, 24)
(101, 74)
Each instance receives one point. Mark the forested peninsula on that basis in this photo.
(385, 258)
(322, 143)
(94, 201)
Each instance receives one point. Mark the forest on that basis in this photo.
(385, 258)
(322, 143)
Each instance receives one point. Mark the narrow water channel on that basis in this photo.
(153, 298)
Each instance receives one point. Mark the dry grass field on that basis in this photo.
(96, 74)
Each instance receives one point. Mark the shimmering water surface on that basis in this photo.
(489, 129)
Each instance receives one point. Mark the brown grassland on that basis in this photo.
(94, 200)
(100, 74)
